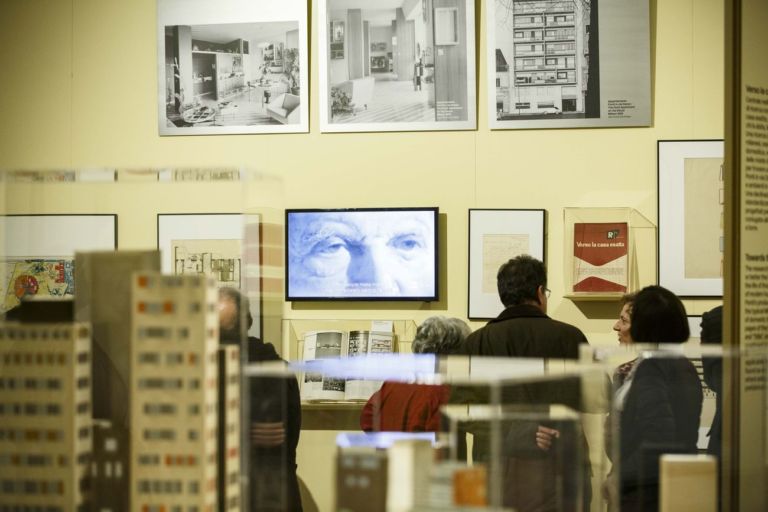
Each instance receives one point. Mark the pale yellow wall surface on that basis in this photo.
(78, 89)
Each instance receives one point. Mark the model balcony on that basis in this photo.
(556, 24)
(536, 67)
(530, 39)
(564, 6)
(529, 24)
(564, 52)
(561, 36)
(520, 52)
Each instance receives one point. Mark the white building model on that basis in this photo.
(174, 374)
(45, 416)
(229, 428)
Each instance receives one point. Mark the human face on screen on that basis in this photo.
(362, 254)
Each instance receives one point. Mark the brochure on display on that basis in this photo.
(335, 344)
(600, 258)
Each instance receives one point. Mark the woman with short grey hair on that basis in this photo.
(406, 407)
(440, 335)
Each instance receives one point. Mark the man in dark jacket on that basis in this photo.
(534, 454)
(275, 414)
(523, 329)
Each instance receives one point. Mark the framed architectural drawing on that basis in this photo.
(568, 63)
(397, 65)
(232, 66)
(39, 252)
(214, 244)
(495, 236)
(691, 194)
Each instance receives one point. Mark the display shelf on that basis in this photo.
(608, 252)
(332, 404)
(293, 331)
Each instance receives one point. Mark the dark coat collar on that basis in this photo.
(520, 311)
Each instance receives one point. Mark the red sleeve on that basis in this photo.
(366, 417)
(433, 421)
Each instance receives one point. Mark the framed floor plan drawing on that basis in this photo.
(496, 236)
(691, 240)
(39, 252)
(213, 244)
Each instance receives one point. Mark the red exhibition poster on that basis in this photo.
(600, 256)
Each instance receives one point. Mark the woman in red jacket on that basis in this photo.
(403, 407)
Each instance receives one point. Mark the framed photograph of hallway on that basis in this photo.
(397, 65)
(568, 63)
(691, 217)
(232, 66)
(495, 237)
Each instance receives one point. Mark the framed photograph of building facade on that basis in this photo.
(225, 246)
(496, 236)
(232, 66)
(691, 217)
(39, 252)
(568, 63)
(397, 65)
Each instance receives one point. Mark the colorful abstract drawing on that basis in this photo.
(36, 277)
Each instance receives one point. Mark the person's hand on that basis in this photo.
(608, 490)
(267, 434)
(545, 437)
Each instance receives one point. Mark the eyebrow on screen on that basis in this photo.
(321, 229)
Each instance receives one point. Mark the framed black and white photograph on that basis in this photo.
(225, 246)
(568, 63)
(232, 66)
(495, 237)
(397, 65)
(39, 252)
(691, 217)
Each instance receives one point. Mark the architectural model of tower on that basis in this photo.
(229, 428)
(45, 416)
(109, 468)
(174, 374)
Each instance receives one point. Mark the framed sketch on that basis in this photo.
(424, 81)
(39, 252)
(225, 246)
(576, 64)
(691, 217)
(496, 236)
(232, 66)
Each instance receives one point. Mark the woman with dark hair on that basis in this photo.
(659, 401)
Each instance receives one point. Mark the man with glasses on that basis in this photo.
(546, 468)
(523, 329)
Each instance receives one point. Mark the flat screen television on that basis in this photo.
(361, 254)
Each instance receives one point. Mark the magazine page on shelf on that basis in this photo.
(600, 257)
(362, 343)
(323, 345)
